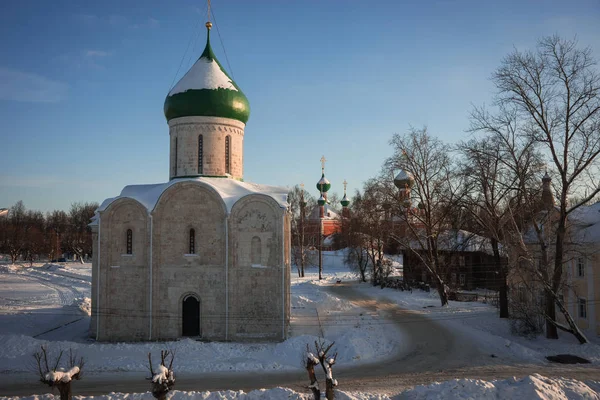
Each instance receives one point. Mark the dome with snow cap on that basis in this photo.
(404, 179)
(323, 184)
(345, 202)
(207, 90)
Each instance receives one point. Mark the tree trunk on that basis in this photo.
(503, 296)
(574, 328)
(329, 392)
(551, 330)
(314, 385)
(441, 290)
(65, 390)
(550, 311)
(503, 289)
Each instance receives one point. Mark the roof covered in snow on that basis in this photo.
(207, 90)
(586, 221)
(330, 212)
(230, 190)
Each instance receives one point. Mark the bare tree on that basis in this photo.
(327, 362)
(357, 257)
(14, 240)
(300, 202)
(555, 91)
(163, 379)
(33, 231)
(79, 235)
(497, 169)
(437, 190)
(57, 223)
(52, 375)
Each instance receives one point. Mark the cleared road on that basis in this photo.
(433, 353)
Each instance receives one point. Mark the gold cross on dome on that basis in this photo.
(345, 183)
(323, 164)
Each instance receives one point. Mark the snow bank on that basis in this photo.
(84, 304)
(531, 387)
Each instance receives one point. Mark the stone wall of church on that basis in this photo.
(259, 273)
(124, 277)
(184, 143)
(179, 273)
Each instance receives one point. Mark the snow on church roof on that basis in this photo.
(230, 191)
(204, 74)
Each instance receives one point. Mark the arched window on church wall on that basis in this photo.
(228, 154)
(129, 241)
(255, 251)
(200, 154)
(192, 241)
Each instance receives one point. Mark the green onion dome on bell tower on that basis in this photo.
(206, 90)
(323, 185)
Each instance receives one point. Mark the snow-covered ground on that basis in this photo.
(49, 303)
(530, 388)
(44, 303)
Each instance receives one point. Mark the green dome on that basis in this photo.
(207, 91)
(321, 201)
(345, 202)
(323, 184)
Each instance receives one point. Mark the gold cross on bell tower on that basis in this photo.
(323, 164)
(345, 183)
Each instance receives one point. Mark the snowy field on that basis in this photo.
(49, 303)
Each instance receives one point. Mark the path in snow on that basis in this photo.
(432, 353)
(51, 309)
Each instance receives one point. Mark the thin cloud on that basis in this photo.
(97, 53)
(118, 21)
(21, 86)
(151, 23)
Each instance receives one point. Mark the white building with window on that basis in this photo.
(205, 254)
(583, 270)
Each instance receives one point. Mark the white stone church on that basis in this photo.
(204, 255)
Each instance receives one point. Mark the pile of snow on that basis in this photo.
(62, 376)
(163, 375)
(531, 387)
(51, 266)
(84, 304)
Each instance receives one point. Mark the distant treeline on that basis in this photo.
(30, 235)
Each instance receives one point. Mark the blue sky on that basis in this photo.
(82, 83)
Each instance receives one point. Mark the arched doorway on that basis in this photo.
(190, 316)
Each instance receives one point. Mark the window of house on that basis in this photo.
(463, 279)
(200, 154)
(228, 154)
(129, 241)
(580, 267)
(461, 261)
(582, 307)
(453, 278)
(192, 241)
(255, 251)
